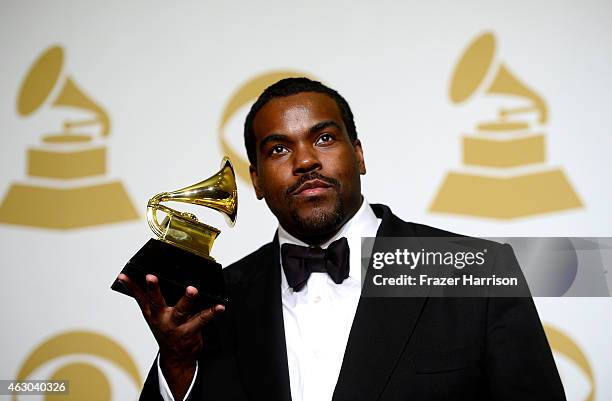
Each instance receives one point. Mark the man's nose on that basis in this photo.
(305, 160)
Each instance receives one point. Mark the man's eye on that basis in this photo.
(278, 149)
(325, 138)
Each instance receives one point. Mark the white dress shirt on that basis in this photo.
(318, 318)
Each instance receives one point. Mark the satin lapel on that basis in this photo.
(380, 331)
(261, 348)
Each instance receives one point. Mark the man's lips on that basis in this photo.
(312, 187)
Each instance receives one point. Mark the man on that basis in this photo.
(292, 335)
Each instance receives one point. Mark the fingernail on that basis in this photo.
(219, 308)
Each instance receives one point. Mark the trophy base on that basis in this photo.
(176, 269)
(66, 208)
(505, 198)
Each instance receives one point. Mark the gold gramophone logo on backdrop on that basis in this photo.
(66, 185)
(562, 344)
(506, 156)
(77, 351)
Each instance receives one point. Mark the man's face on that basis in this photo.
(307, 167)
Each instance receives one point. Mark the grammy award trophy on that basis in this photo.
(180, 257)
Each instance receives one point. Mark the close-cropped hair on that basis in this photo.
(292, 86)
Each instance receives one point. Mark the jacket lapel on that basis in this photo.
(261, 348)
(380, 331)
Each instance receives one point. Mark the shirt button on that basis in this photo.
(317, 299)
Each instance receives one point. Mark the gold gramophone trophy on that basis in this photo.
(181, 255)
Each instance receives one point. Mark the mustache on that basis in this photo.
(312, 176)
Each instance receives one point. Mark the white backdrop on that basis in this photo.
(164, 72)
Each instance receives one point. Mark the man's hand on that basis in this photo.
(177, 329)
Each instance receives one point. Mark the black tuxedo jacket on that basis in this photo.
(399, 348)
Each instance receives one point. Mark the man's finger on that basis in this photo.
(135, 291)
(184, 306)
(156, 299)
(203, 317)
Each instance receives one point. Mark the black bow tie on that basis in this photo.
(300, 261)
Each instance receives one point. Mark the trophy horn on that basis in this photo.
(218, 192)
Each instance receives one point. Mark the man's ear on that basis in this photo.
(255, 181)
(359, 155)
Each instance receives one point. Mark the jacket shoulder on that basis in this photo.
(393, 226)
(423, 230)
(245, 269)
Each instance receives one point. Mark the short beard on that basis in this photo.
(320, 223)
